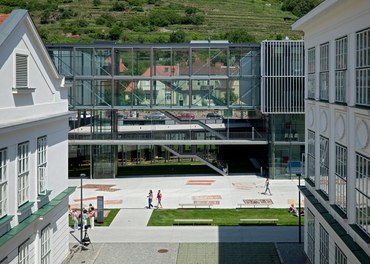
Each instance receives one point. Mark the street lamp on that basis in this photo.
(82, 175)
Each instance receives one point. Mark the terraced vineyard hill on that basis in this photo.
(156, 21)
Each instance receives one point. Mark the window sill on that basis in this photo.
(24, 207)
(323, 195)
(311, 183)
(361, 233)
(342, 214)
(6, 219)
(23, 90)
(44, 195)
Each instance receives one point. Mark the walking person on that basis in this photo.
(150, 199)
(267, 186)
(74, 216)
(92, 217)
(159, 198)
(84, 219)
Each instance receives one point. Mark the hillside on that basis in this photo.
(157, 21)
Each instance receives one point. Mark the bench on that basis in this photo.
(259, 221)
(182, 205)
(243, 205)
(193, 221)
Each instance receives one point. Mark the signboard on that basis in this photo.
(100, 204)
(295, 167)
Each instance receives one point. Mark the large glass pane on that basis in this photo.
(162, 62)
(133, 93)
(123, 62)
(103, 93)
(84, 91)
(166, 93)
(200, 61)
(180, 60)
(62, 58)
(103, 61)
(122, 91)
(141, 62)
(218, 62)
(84, 62)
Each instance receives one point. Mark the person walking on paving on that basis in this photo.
(92, 217)
(159, 199)
(267, 186)
(150, 199)
(74, 215)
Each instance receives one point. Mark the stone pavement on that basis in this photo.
(129, 240)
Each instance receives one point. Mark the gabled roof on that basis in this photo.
(20, 17)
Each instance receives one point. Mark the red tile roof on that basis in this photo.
(3, 17)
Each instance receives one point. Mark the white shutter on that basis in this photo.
(21, 73)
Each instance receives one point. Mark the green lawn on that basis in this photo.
(221, 217)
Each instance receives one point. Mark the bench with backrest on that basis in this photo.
(259, 221)
(193, 221)
(194, 205)
(243, 205)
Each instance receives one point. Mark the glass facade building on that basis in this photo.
(145, 104)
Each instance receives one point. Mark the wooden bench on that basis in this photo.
(259, 221)
(243, 205)
(193, 221)
(182, 205)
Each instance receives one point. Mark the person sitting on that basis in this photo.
(293, 210)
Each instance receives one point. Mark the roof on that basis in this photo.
(3, 17)
(9, 23)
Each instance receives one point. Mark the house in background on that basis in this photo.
(337, 102)
(33, 148)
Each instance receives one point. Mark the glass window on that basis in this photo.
(311, 80)
(341, 177)
(340, 258)
(3, 183)
(23, 254)
(103, 62)
(363, 193)
(23, 173)
(363, 67)
(324, 164)
(340, 69)
(324, 246)
(310, 236)
(324, 71)
(41, 165)
(45, 245)
(311, 156)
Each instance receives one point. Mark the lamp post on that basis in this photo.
(82, 175)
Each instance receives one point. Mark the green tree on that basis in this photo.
(239, 36)
(177, 36)
(299, 7)
(115, 33)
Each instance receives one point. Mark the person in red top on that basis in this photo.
(159, 198)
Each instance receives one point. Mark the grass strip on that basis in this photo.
(222, 217)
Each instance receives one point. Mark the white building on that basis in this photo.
(33, 148)
(337, 191)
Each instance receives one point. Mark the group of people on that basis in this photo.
(150, 199)
(86, 214)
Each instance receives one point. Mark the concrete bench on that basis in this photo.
(194, 205)
(259, 221)
(193, 221)
(243, 205)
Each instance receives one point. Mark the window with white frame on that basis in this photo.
(45, 246)
(341, 177)
(21, 71)
(23, 253)
(363, 67)
(41, 165)
(310, 236)
(23, 173)
(340, 258)
(3, 182)
(311, 78)
(324, 72)
(340, 69)
(324, 164)
(324, 246)
(363, 193)
(311, 156)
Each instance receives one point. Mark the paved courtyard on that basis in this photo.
(129, 240)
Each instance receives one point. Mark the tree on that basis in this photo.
(177, 36)
(239, 36)
(299, 7)
(115, 33)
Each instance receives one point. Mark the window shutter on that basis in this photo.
(21, 71)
